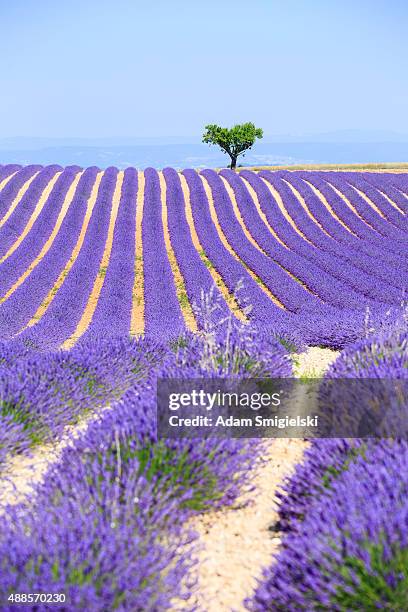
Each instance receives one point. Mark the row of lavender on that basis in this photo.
(326, 268)
(41, 394)
(108, 527)
(338, 280)
(114, 483)
(344, 513)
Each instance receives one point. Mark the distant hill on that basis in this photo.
(341, 147)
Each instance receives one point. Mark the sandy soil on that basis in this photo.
(369, 202)
(350, 205)
(186, 307)
(237, 543)
(237, 212)
(17, 199)
(392, 202)
(34, 216)
(6, 180)
(305, 207)
(325, 203)
(75, 252)
(229, 248)
(249, 236)
(314, 361)
(90, 307)
(64, 209)
(228, 297)
(260, 212)
(24, 472)
(277, 197)
(137, 319)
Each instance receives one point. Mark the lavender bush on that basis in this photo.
(100, 535)
(108, 527)
(374, 403)
(341, 549)
(42, 393)
(350, 551)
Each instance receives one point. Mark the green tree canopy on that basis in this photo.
(233, 141)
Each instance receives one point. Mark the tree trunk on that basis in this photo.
(233, 163)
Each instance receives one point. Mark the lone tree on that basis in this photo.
(233, 141)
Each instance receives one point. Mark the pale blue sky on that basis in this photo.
(125, 68)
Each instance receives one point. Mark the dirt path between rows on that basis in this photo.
(238, 542)
(25, 472)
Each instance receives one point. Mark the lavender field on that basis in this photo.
(112, 279)
(108, 253)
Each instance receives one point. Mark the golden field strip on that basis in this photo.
(368, 167)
